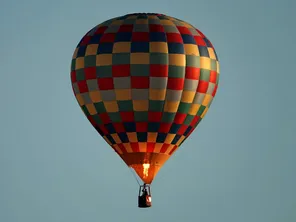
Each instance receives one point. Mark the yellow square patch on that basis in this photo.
(169, 149)
(177, 59)
(166, 22)
(205, 63)
(111, 106)
(193, 109)
(91, 49)
(128, 147)
(123, 94)
(207, 100)
(140, 58)
(95, 96)
(171, 107)
(142, 146)
(80, 99)
(151, 137)
(104, 60)
(211, 53)
(187, 96)
(91, 109)
(140, 105)
(204, 112)
(157, 94)
(158, 147)
(79, 63)
(142, 21)
(169, 138)
(116, 138)
(117, 22)
(161, 47)
(116, 147)
(180, 140)
(121, 47)
(191, 49)
(218, 67)
(132, 137)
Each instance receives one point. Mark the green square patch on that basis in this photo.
(141, 116)
(159, 58)
(129, 21)
(100, 107)
(205, 75)
(176, 71)
(85, 110)
(125, 106)
(120, 58)
(103, 71)
(201, 110)
(217, 79)
(188, 120)
(97, 119)
(80, 74)
(156, 105)
(90, 61)
(193, 61)
(213, 64)
(115, 117)
(140, 70)
(73, 64)
(168, 117)
(184, 107)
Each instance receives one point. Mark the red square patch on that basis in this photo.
(120, 70)
(150, 147)
(180, 118)
(90, 73)
(107, 37)
(141, 127)
(140, 82)
(154, 116)
(125, 28)
(105, 83)
(175, 83)
(73, 76)
(164, 148)
(101, 30)
(174, 37)
(119, 127)
(213, 76)
(192, 73)
(105, 118)
(184, 30)
(164, 127)
(82, 85)
(140, 37)
(127, 116)
(156, 28)
(199, 41)
(159, 70)
(202, 86)
(135, 147)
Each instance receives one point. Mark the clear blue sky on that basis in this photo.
(238, 165)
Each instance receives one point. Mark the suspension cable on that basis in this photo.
(134, 173)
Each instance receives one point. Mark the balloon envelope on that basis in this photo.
(145, 81)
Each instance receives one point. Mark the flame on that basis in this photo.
(145, 169)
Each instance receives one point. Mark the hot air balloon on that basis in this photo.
(144, 81)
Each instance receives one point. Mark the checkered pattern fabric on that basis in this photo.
(145, 81)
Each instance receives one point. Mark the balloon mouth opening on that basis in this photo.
(145, 165)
